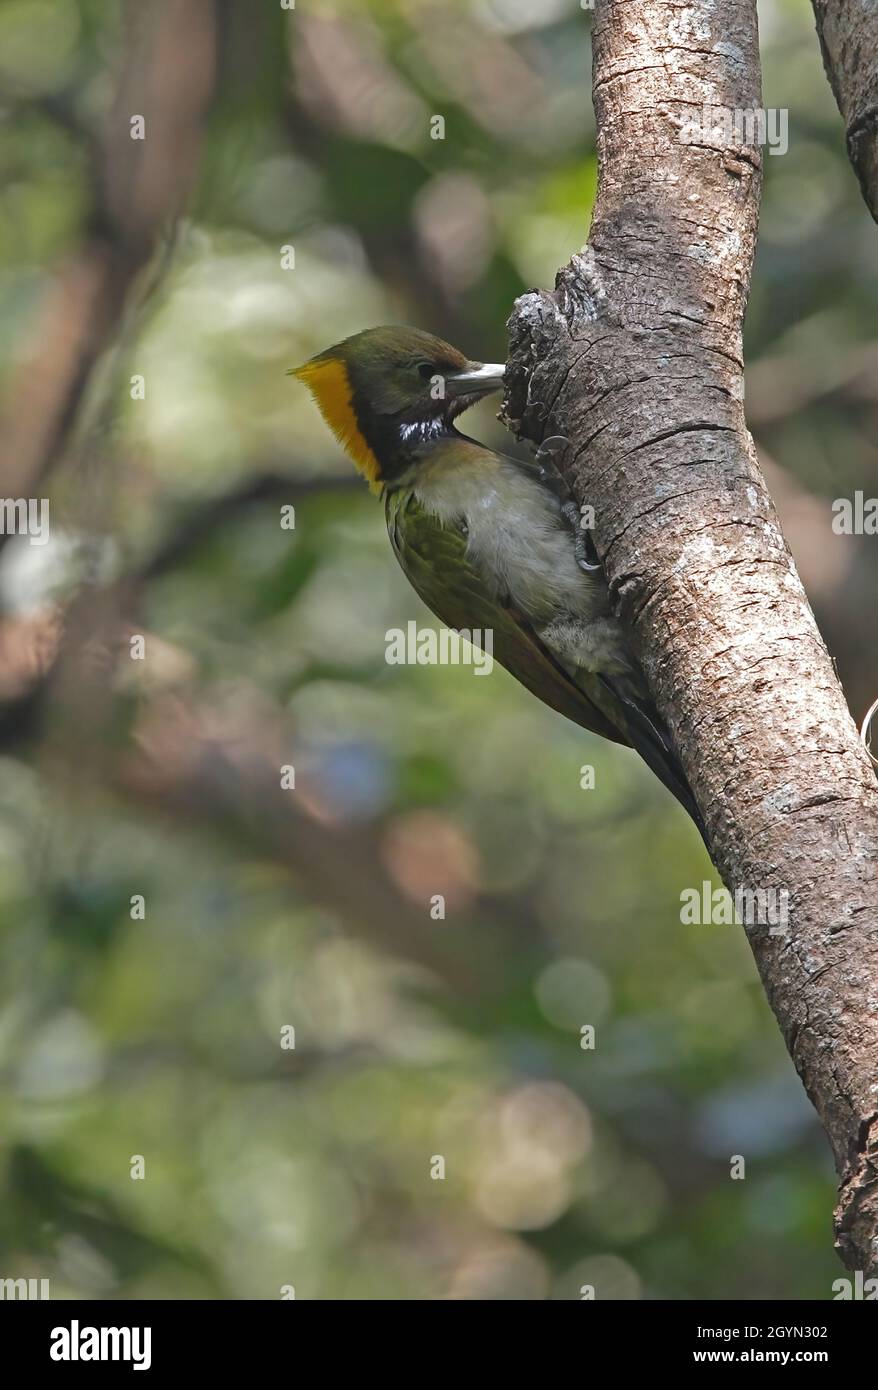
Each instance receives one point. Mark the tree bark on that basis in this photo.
(635, 361)
(848, 31)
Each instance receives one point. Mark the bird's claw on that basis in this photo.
(551, 447)
(546, 457)
(580, 543)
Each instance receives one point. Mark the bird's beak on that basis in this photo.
(478, 379)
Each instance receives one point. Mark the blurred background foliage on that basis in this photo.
(267, 908)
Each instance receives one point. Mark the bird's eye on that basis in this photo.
(425, 370)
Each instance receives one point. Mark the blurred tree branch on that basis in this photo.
(264, 485)
(215, 766)
(636, 361)
(57, 669)
(849, 42)
(137, 187)
(220, 771)
(70, 700)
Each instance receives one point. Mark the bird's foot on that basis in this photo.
(583, 545)
(547, 454)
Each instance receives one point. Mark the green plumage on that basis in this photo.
(486, 540)
(434, 559)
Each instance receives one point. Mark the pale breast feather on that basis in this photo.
(517, 535)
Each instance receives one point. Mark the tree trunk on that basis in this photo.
(848, 32)
(636, 362)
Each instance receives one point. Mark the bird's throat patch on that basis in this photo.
(328, 381)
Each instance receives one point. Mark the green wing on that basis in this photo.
(435, 562)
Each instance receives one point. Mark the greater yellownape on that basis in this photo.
(485, 539)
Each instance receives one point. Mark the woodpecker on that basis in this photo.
(487, 541)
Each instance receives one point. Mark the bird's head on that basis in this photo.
(386, 390)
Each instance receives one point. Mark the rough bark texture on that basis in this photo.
(848, 32)
(636, 362)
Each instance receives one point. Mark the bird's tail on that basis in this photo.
(645, 731)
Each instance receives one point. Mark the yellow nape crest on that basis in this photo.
(328, 381)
